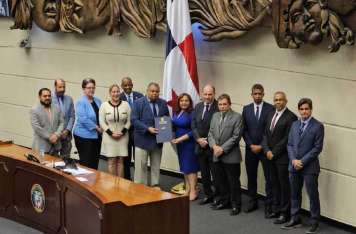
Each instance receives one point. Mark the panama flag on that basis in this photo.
(180, 70)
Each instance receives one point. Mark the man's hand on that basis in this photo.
(152, 130)
(64, 134)
(202, 142)
(297, 164)
(53, 138)
(116, 136)
(269, 155)
(218, 150)
(256, 148)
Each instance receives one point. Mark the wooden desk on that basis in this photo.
(104, 204)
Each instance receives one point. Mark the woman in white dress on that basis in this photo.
(114, 119)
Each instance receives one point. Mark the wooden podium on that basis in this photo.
(54, 202)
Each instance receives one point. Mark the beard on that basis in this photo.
(46, 104)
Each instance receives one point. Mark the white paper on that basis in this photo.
(81, 179)
(79, 171)
(59, 164)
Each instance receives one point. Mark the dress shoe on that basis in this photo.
(292, 224)
(206, 200)
(220, 206)
(251, 207)
(235, 211)
(268, 211)
(313, 229)
(214, 203)
(272, 215)
(281, 220)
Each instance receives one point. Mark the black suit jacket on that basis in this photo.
(200, 127)
(253, 129)
(277, 140)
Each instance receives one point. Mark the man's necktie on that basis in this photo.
(223, 114)
(301, 129)
(274, 120)
(154, 109)
(129, 100)
(61, 105)
(205, 111)
(257, 113)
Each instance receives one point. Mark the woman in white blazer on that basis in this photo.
(114, 119)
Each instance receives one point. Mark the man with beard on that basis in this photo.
(66, 106)
(47, 124)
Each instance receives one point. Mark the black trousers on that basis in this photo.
(207, 173)
(228, 182)
(311, 184)
(281, 188)
(127, 160)
(89, 151)
(251, 162)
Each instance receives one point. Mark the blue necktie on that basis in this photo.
(154, 109)
(129, 100)
(301, 129)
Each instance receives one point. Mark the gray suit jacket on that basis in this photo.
(69, 114)
(228, 137)
(43, 128)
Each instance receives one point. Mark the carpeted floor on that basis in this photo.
(203, 220)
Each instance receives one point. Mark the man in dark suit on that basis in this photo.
(202, 115)
(143, 115)
(255, 118)
(305, 144)
(130, 96)
(274, 146)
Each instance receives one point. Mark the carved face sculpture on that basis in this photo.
(46, 14)
(86, 14)
(304, 21)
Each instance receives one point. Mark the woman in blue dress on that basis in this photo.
(188, 160)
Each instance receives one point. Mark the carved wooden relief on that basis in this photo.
(297, 22)
(228, 19)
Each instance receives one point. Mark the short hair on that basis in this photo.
(126, 78)
(87, 81)
(153, 84)
(257, 86)
(225, 96)
(56, 81)
(305, 101)
(281, 93)
(114, 86)
(190, 108)
(211, 86)
(42, 90)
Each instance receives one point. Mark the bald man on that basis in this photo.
(65, 104)
(274, 146)
(202, 115)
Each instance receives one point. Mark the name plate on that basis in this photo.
(164, 126)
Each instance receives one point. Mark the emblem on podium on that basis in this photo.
(38, 198)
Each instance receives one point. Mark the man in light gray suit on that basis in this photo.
(47, 123)
(66, 106)
(224, 137)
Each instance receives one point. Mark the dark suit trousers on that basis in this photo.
(281, 188)
(89, 151)
(311, 184)
(207, 172)
(127, 160)
(251, 161)
(228, 182)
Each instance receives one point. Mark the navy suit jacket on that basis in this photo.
(253, 129)
(142, 118)
(136, 95)
(306, 147)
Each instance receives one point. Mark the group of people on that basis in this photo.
(207, 138)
